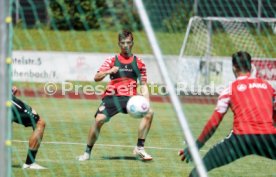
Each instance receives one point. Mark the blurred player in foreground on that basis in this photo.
(24, 114)
(251, 100)
(124, 70)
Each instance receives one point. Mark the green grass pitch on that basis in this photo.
(68, 122)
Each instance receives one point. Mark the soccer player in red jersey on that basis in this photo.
(124, 70)
(254, 132)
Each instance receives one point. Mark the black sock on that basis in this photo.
(31, 156)
(88, 149)
(140, 142)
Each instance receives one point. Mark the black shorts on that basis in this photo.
(237, 146)
(23, 113)
(111, 105)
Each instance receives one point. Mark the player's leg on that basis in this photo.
(95, 129)
(106, 110)
(145, 125)
(230, 149)
(271, 146)
(93, 135)
(143, 130)
(34, 144)
(264, 145)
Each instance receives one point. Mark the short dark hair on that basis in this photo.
(124, 34)
(242, 61)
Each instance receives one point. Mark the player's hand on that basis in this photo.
(14, 90)
(185, 155)
(113, 70)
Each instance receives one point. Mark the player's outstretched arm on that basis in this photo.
(207, 132)
(210, 127)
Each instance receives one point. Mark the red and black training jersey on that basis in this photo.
(251, 100)
(124, 82)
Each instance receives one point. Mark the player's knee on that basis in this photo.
(150, 115)
(99, 122)
(41, 123)
(100, 119)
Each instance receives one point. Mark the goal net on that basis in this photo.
(202, 60)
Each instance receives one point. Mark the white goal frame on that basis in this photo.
(210, 20)
(5, 87)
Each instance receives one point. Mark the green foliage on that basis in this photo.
(93, 14)
(178, 20)
(123, 15)
(78, 15)
(94, 41)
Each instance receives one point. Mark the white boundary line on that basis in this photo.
(104, 145)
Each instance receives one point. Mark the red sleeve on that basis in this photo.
(143, 71)
(108, 64)
(210, 127)
(214, 121)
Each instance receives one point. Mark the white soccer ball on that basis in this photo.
(138, 106)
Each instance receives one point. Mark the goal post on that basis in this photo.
(5, 90)
(175, 101)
